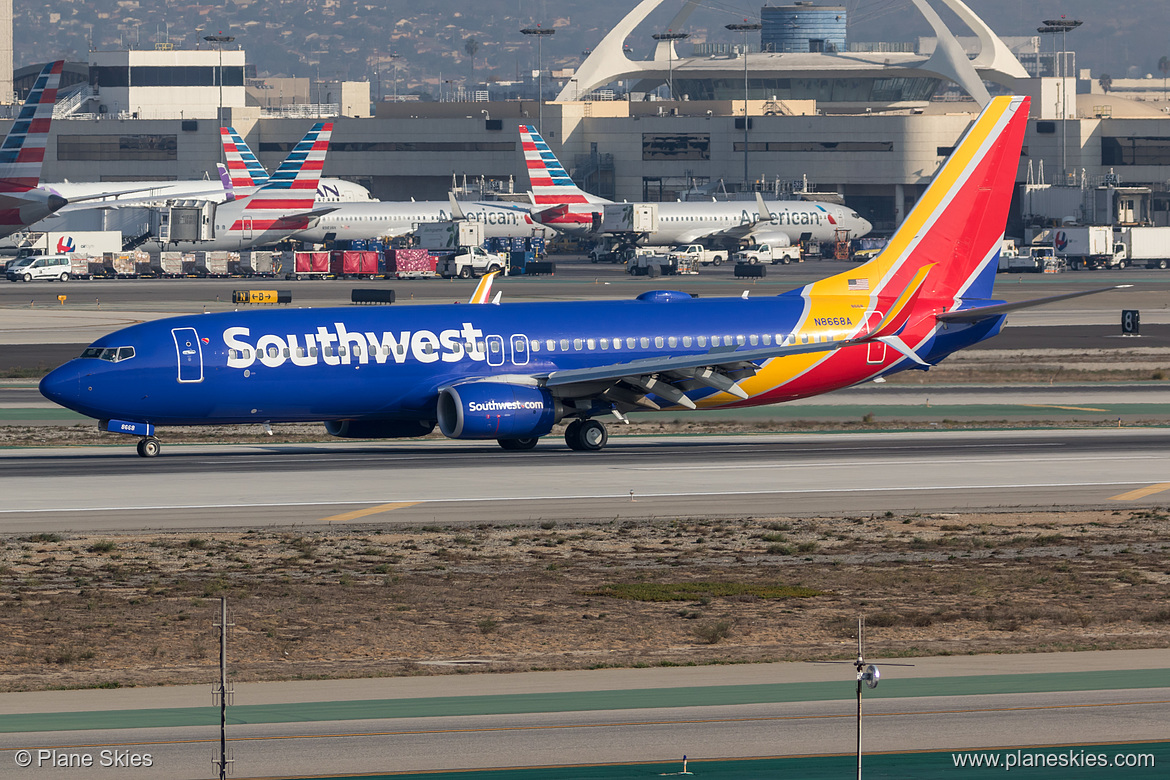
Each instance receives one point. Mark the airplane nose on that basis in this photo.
(863, 227)
(62, 385)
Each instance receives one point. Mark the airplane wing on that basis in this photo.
(669, 378)
(738, 232)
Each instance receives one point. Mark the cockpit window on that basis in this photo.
(112, 354)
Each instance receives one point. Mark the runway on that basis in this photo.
(243, 486)
(612, 716)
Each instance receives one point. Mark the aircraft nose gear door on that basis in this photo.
(190, 354)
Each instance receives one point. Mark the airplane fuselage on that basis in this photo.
(335, 364)
(680, 223)
(388, 218)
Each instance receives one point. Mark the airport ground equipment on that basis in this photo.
(1089, 246)
(1147, 246)
(768, 253)
(697, 254)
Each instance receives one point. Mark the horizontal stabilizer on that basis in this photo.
(979, 313)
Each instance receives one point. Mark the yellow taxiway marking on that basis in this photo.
(374, 510)
(1134, 495)
(1069, 408)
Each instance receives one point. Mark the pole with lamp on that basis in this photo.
(745, 27)
(1062, 26)
(539, 32)
(670, 37)
(219, 40)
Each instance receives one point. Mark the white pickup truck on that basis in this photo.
(470, 261)
(697, 254)
(768, 253)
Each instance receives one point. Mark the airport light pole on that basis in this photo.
(219, 40)
(670, 38)
(1062, 26)
(539, 32)
(745, 27)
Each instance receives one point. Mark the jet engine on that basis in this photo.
(494, 410)
(378, 429)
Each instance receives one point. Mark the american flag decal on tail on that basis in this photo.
(858, 284)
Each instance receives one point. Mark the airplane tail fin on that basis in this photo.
(957, 225)
(23, 149)
(289, 194)
(550, 181)
(243, 167)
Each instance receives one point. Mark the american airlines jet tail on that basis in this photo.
(243, 168)
(563, 205)
(510, 372)
(21, 201)
(283, 205)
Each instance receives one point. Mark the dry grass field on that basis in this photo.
(123, 610)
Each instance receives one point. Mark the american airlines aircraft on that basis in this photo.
(511, 371)
(387, 218)
(565, 206)
(22, 202)
(284, 204)
(243, 174)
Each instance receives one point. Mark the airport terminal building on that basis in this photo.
(866, 127)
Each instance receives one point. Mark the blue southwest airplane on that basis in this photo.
(511, 372)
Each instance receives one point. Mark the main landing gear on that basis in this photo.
(518, 445)
(586, 435)
(149, 446)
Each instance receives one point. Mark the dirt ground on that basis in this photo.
(132, 610)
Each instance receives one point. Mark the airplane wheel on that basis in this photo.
(149, 447)
(519, 445)
(572, 434)
(587, 436)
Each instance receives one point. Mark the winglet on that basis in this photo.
(456, 209)
(483, 292)
(902, 308)
(765, 214)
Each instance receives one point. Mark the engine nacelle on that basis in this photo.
(494, 410)
(379, 429)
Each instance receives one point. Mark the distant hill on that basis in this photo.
(355, 40)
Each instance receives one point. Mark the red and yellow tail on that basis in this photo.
(957, 225)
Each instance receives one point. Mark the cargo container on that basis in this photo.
(254, 264)
(359, 263)
(212, 263)
(79, 266)
(410, 263)
(310, 264)
(449, 235)
(168, 263)
(119, 264)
